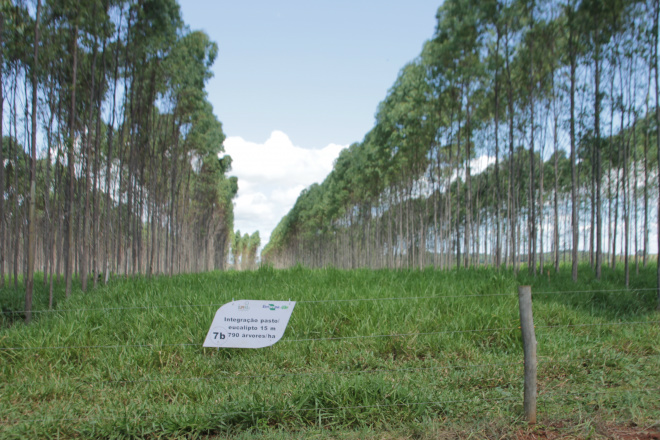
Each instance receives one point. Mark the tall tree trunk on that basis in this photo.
(97, 148)
(108, 165)
(70, 195)
(556, 188)
(87, 161)
(531, 258)
(498, 244)
(2, 159)
(598, 177)
(656, 15)
(647, 129)
(468, 181)
(574, 214)
(14, 156)
(48, 236)
(32, 218)
(511, 197)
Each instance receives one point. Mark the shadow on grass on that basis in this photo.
(607, 298)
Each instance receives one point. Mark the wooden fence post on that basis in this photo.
(529, 347)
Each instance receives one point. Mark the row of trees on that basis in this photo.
(244, 249)
(525, 132)
(108, 144)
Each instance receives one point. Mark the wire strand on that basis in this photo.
(338, 338)
(588, 393)
(598, 324)
(221, 304)
(559, 292)
(322, 373)
(512, 295)
(63, 347)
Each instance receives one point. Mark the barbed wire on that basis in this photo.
(598, 324)
(221, 304)
(559, 292)
(61, 347)
(398, 298)
(588, 393)
(331, 338)
(299, 374)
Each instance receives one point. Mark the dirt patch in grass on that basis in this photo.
(566, 431)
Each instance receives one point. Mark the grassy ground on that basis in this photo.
(126, 360)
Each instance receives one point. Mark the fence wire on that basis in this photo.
(398, 298)
(331, 338)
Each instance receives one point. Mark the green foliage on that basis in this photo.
(493, 85)
(135, 124)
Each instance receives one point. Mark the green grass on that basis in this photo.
(106, 384)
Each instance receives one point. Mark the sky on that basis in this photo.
(295, 82)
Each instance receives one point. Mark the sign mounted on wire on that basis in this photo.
(249, 324)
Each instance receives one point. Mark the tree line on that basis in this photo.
(109, 146)
(244, 250)
(526, 132)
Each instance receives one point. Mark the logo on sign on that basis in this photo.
(274, 307)
(244, 307)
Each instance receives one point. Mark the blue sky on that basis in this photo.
(296, 81)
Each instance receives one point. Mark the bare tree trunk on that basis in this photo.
(556, 190)
(656, 15)
(599, 216)
(468, 180)
(32, 218)
(531, 257)
(72, 134)
(48, 238)
(111, 130)
(498, 244)
(3, 249)
(87, 161)
(574, 217)
(647, 129)
(511, 203)
(14, 156)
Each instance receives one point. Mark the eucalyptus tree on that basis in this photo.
(254, 243)
(32, 220)
(119, 85)
(656, 30)
(3, 8)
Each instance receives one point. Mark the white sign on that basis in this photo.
(249, 324)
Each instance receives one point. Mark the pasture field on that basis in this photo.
(386, 354)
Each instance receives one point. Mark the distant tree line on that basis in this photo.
(526, 132)
(244, 250)
(109, 146)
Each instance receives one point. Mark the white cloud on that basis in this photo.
(271, 176)
(477, 165)
(480, 163)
